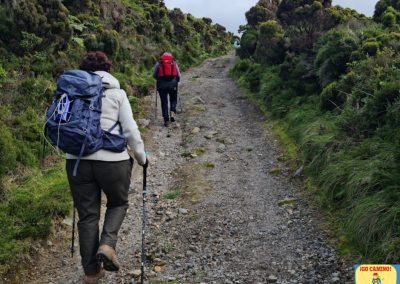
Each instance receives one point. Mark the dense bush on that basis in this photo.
(334, 51)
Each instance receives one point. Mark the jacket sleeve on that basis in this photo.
(155, 71)
(131, 131)
(178, 72)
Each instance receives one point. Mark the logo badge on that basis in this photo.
(71, 88)
(376, 274)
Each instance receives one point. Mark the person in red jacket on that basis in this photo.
(168, 76)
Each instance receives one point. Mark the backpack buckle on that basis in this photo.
(91, 107)
(84, 129)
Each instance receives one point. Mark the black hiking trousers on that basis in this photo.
(92, 177)
(173, 100)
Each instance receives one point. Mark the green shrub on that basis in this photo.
(31, 203)
(8, 157)
(332, 98)
(333, 55)
(3, 76)
(248, 44)
(271, 86)
(389, 20)
(356, 56)
(240, 67)
(254, 77)
(370, 48)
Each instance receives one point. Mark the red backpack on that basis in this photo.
(167, 67)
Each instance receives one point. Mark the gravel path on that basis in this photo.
(236, 217)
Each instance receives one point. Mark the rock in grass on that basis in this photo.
(67, 221)
(143, 122)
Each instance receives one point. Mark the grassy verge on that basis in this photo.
(355, 177)
(30, 204)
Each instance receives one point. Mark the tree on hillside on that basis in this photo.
(248, 43)
(334, 51)
(289, 11)
(181, 27)
(47, 19)
(307, 20)
(270, 46)
(381, 7)
(263, 11)
(78, 6)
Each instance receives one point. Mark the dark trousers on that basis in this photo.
(92, 177)
(173, 99)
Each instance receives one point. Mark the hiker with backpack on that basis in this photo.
(107, 170)
(236, 46)
(167, 74)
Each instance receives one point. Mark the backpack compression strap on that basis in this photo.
(91, 108)
(84, 142)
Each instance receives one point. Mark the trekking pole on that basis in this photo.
(144, 217)
(155, 110)
(73, 233)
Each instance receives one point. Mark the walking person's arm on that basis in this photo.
(131, 131)
(178, 76)
(155, 71)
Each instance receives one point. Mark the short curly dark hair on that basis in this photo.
(95, 61)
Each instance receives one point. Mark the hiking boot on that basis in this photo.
(94, 279)
(172, 119)
(107, 256)
(166, 124)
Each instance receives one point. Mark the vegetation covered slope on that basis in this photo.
(331, 77)
(39, 39)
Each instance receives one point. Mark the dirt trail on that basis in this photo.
(236, 217)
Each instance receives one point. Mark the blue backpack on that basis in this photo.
(73, 119)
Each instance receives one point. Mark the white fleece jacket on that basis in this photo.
(115, 108)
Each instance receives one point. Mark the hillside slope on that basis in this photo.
(39, 39)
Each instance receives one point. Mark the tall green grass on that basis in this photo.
(355, 172)
(27, 209)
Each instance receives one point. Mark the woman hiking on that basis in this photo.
(105, 171)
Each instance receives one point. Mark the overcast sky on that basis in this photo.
(230, 13)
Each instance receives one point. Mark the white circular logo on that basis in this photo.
(71, 88)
